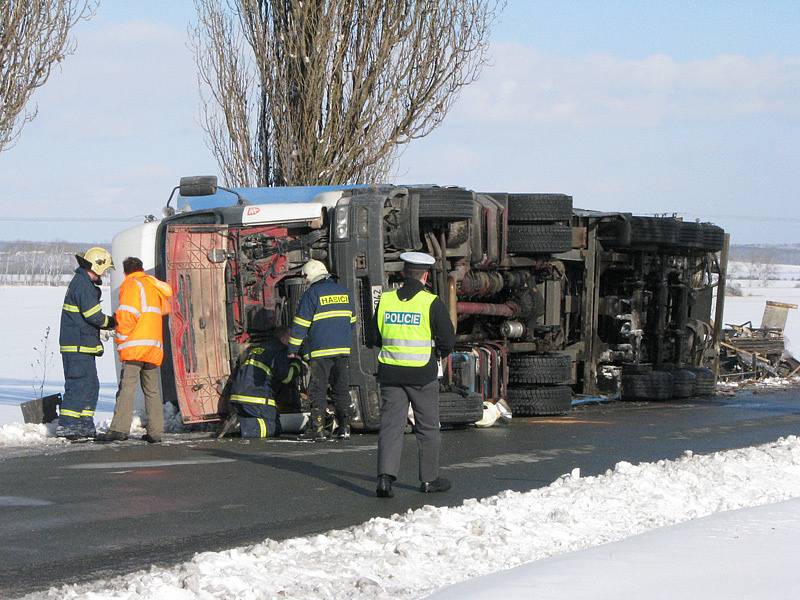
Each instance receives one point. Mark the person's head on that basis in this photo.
(416, 265)
(282, 334)
(418, 272)
(314, 270)
(132, 265)
(96, 261)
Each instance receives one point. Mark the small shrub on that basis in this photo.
(41, 364)
(734, 289)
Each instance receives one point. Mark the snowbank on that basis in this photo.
(410, 555)
(13, 435)
(17, 434)
(746, 553)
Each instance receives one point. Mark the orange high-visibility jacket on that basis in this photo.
(143, 300)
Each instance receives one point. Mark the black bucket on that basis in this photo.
(41, 410)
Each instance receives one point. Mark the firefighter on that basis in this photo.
(413, 330)
(265, 367)
(143, 302)
(79, 339)
(323, 326)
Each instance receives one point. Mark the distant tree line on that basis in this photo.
(778, 254)
(38, 263)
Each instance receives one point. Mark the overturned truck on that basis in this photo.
(548, 301)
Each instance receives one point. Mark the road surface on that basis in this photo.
(87, 514)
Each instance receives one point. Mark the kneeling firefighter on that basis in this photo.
(263, 368)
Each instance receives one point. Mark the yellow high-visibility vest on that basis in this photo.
(405, 327)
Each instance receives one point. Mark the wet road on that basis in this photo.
(86, 514)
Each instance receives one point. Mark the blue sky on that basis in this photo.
(651, 107)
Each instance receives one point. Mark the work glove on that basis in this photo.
(107, 334)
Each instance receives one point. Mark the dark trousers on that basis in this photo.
(336, 371)
(257, 420)
(81, 389)
(424, 400)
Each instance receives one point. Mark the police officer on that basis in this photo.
(79, 341)
(264, 368)
(413, 330)
(323, 325)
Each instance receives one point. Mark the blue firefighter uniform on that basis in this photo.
(263, 368)
(323, 326)
(79, 339)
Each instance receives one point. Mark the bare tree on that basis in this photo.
(34, 36)
(327, 91)
(762, 266)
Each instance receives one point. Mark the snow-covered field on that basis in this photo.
(413, 554)
(28, 312)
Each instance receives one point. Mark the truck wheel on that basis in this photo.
(704, 382)
(539, 239)
(653, 231)
(656, 385)
(635, 387)
(526, 208)
(540, 401)
(445, 204)
(661, 386)
(690, 235)
(551, 369)
(713, 237)
(456, 410)
(682, 383)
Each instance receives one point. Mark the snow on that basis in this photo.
(748, 553)
(750, 307)
(413, 554)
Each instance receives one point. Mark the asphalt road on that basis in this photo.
(93, 513)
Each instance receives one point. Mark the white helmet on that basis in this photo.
(314, 270)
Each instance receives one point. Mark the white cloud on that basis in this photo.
(525, 86)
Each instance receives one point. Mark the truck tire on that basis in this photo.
(656, 385)
(661, 386)
(553, 369)
(690, 235)
(445, 204)
(456, 410)
(635, 386)
(653, 231)
(713, 237)
(540, 401)
(704, 383)
(539, 239)
(527, 208)
(682, 383)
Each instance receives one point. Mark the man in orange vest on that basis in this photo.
(143, 301)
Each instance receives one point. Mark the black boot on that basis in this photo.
(111, 436)
(385, 486)
(440, 484)
(342, 431)
(315, 430)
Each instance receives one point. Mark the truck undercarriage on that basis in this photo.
(548, 301)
